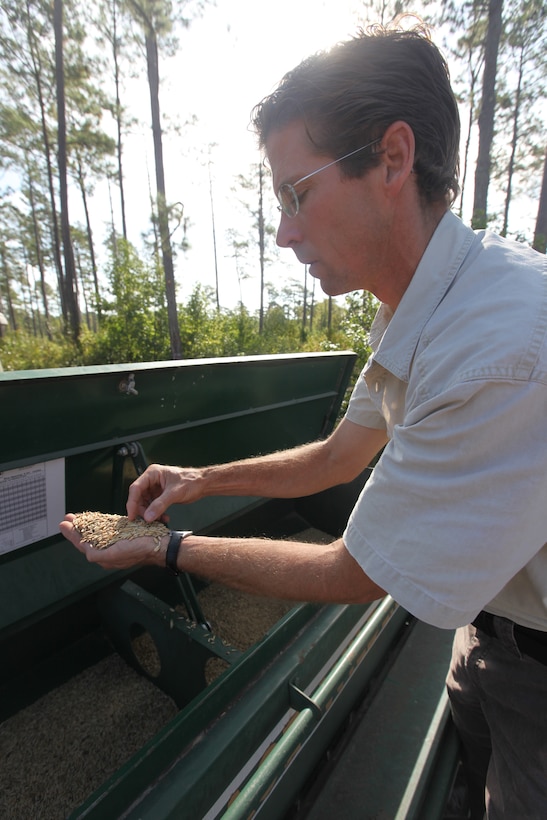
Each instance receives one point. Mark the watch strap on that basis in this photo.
(176, 537)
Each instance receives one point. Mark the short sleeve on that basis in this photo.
(361, 409)
(457, 504)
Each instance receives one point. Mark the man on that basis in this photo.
(363, 146)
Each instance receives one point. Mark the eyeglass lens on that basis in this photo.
(288, 199)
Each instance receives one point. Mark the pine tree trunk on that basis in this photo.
(486, 116)
(163, 216)
(540, 233)
(12, 316)
(217, 292)
(38, 249)
(514, 143)
(70, 271)
(261, 244)
(91, 246)
(119, 147)
(56, 247)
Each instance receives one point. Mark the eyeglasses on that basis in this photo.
(287, 196)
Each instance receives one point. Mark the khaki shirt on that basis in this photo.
(454, 518)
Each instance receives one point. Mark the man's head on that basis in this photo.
(348, 96)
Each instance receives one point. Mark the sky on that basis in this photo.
(227, 61)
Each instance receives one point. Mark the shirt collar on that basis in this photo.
(394, 336)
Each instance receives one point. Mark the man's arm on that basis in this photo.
(289, 474)
(281, 569)
(284, 569)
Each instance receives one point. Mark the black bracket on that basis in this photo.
(134, 451)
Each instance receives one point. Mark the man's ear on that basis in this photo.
(398, 147)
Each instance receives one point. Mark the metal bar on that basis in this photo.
(200, 756)
(439, 785)
(251, 797)
(160, 431)
(135, 451)
(191, 602)
(91, 370)
(414, 794)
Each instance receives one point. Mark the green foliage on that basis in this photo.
(131, 317)
(361, 308)
(22, 350)
(134, 326)
(134, 321)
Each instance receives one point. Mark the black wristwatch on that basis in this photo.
(176, 537)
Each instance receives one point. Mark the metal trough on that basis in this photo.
(248, 742)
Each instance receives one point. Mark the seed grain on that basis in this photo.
(101, 530)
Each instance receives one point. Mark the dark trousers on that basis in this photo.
(498, 697)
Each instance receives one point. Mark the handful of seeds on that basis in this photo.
(101, 530)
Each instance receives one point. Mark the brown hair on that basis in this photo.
(349, 95)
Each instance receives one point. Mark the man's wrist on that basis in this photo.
(176, 537)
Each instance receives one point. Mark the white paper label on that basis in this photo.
(32, 503)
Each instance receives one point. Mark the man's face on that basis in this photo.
(341, 229)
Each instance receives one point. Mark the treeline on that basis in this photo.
(134, 324)
(498, 56)
(64, 125)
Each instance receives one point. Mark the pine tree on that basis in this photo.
(487, 114)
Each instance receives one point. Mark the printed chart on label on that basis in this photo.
(32, 503)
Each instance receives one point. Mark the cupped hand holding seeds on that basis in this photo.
(113, 541)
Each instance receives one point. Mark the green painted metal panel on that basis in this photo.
(191, 768)
(188, 412)
(387, 763)
(245, 744)
(50, 413)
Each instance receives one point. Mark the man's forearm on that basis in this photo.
(287, 474)
(281, 569)
(300, 471)
(292, 570)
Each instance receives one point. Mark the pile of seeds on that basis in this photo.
(239, 619)
(101, 530)
(65, 745)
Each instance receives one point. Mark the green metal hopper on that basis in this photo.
(249, 742)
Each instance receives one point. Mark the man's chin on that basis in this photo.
(328, 286)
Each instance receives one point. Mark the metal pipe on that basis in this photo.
(264, 779)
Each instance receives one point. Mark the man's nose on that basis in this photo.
(288, 232)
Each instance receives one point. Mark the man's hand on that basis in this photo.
(122, 554)
(159, 487)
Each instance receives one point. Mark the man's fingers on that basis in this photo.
(142, 498)
(71, 533)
